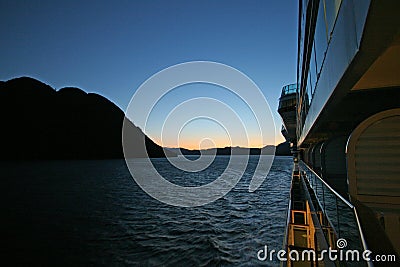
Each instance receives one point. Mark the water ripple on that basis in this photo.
(93, 213)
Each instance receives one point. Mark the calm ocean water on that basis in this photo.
(77, 213)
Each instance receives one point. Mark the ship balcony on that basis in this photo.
(306, 226)
(338, 213)
(288, 98)
(287, 110)
(289, 89)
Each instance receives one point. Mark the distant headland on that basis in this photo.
(39, 122)
(282, 149)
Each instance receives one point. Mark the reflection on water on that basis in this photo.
(93, 213)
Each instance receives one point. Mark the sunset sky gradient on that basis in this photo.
(111, 48)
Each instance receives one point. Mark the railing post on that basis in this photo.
(338, 217)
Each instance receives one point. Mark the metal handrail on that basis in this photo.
(328, 186)
(318, 228)
(289, 89)
(287, 222)
(362, 238)
(288, 218)
(364, 243)
(285, 239)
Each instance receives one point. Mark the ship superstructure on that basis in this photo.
(347, 111)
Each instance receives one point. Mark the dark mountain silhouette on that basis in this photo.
(283, 149)
(38, 122)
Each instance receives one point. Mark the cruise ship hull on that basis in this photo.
(348, 126)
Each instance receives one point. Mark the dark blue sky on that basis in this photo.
(112, 47)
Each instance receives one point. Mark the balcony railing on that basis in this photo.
(341, 214)
(289, 89)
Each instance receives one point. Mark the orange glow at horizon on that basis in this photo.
(210, 143)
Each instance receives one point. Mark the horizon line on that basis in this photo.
(222, 147)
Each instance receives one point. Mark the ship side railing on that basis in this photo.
(289, 89)
(340, 213)
(288, 211)
(318, 238)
